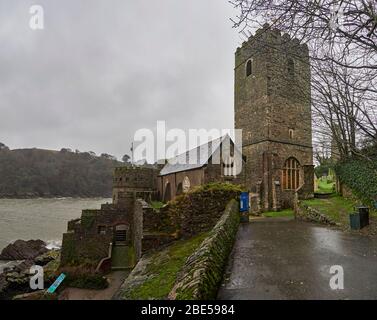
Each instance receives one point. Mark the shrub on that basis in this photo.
(196, 211)
(219, 187)
(84, 277)
(157, 205)
(88, 281)
(361, 177)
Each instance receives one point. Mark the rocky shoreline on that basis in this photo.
(35, 196)
(14, 279)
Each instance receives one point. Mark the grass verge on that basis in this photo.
(162, 270)
(336, 207)
(325, 187)
(276, 214)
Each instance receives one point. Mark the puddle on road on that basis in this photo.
(328, 239)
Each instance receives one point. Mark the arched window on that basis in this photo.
(249, 68)
(291, 174)
(291, 133)
(179, 189)
(167, 193)
(291, 67)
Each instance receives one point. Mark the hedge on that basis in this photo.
(361, 177)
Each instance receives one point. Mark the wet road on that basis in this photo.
(279, 258)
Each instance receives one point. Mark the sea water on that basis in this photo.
(44, 219)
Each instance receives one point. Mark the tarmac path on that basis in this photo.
(280, 258)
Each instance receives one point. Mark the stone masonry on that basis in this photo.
(273, 107)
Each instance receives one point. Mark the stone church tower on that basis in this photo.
(273, 108)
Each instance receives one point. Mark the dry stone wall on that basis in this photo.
(307, 213)
(202, 273)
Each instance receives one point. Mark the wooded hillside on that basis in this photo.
(47, 173)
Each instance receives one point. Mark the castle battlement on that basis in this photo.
(135, 177)
(268, 38)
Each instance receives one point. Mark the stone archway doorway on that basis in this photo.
(120, 255)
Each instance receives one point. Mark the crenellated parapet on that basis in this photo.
(266, 39)
(132, 182)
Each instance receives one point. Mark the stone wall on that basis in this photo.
(78, 249)
(134, 182)
(88, 239)
(198, 211)
(307, 213)
(138, 227)
(189, 214)
(307, 189)
(344, 190)
(202, 273)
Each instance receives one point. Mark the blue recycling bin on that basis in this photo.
(244, 206)
(244, 202)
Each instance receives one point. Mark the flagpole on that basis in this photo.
(132, 153)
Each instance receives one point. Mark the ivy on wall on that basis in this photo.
(361, 177)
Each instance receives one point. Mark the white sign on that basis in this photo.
(186, 184)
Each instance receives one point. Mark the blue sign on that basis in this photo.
(56, 284)
(244, 202)
(375, 204)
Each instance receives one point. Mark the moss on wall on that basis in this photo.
(87, 218)
(203, 271)
(194, 212)
(80, 249)
(68, 253)
(155, 274)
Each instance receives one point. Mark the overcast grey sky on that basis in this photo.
(102, 69)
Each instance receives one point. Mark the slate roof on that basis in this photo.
(204, 153)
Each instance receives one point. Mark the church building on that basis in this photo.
(273, 109)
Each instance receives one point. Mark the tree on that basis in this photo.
(126, 158)
(344, 111)
(3, 146)
(342, 41)
(108, 156)
(337, 26)
(65, 150)
(35, 172)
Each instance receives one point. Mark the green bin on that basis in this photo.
(355, 221)
(364, 216)
(360, 218)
